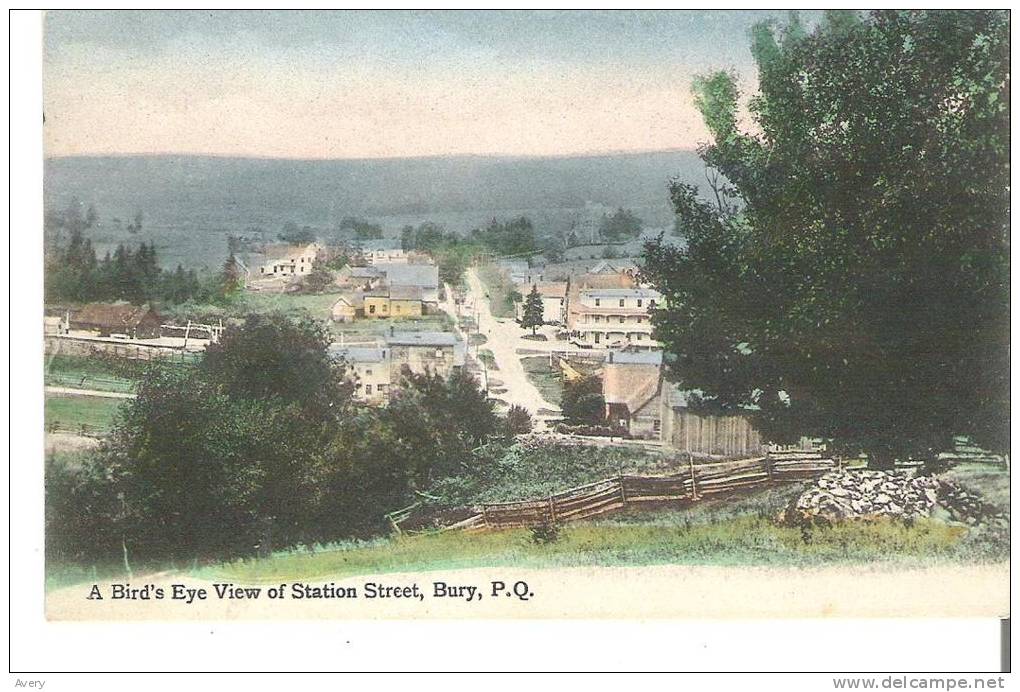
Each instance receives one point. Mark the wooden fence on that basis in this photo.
(619, 492)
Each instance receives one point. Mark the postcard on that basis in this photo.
(526, 315)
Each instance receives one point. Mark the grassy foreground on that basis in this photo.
(735, 531)
(75, 411)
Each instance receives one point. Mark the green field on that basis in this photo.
(498, 286)
(90, 373)
(72, 412)
(545, 377)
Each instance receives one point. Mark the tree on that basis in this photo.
(517, 422)
(620, 225)
(532, 316)
(583, 403)
(232, 276)
(857, 287)
(319, 278)
(295, 235)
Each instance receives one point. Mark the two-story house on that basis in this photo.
(614, 317)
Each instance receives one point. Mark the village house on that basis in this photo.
(520, 272)
(288, 260)
(423, 276)
(360, 278)
(554, 299)
(117, 319)
(632, 389)
(348, 307)
(614, 317)
(437, 352)
(369, 369)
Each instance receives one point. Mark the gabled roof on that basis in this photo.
(637, 292)
(423, 275)
(355, 300)
(547, 289)
(279, 252)
(357, 354)
(631, 384)
(405, 292)
(114, 315)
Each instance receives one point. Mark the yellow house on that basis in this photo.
(405, 301)
(377, 304)
(397, 301)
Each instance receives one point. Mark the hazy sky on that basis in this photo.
(371, 84)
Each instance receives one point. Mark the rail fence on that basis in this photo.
(627, 491)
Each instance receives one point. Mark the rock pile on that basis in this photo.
(865, 494)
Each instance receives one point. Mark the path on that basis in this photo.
(504, 339)
(73, 391)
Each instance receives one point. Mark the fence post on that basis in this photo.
(694, 480)
(485, 518)
(623, 491)
(552, 509)
(768, 466)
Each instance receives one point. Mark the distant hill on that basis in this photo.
(191, 202)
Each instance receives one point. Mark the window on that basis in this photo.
(371, 309)
(381, 388)
(622, 320)
(368, 371)
(598, 302)
(651, 303)
(368, 389)
(657, 425)
(639, 302)
(622, 301)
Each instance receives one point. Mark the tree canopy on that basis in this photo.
(848, 277)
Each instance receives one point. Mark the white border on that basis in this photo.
(387, 646)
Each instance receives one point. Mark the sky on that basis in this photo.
(383, 84)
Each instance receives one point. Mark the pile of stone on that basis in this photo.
(864, 494)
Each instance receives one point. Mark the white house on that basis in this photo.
(288, 260)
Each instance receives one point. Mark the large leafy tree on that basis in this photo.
(848, 274)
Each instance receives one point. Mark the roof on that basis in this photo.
(424, 275)
(548, 289)
(631, 384)
(613, 266)
(114, 315)
(622, 292)
(357, 354)
(422, 339)
(355, 300)
(636, 357)
(378, 244)
(405, 292)
(361, 272)
(276, 252)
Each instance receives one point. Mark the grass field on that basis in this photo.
(74, 411)
(87, 373)
(546, 378)
(498, 286)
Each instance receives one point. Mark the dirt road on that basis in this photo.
(504, 340)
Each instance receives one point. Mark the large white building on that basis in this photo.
(289, 260)
(614, 317)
